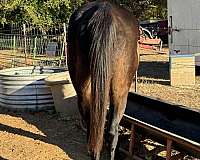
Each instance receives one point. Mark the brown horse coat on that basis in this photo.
(102, 61)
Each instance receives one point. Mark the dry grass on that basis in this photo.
(11, 58)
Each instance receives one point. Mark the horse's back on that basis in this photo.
(124, 57)
(125, 24)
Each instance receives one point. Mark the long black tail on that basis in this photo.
(103, 35)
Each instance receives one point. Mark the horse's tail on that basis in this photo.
(103, 36)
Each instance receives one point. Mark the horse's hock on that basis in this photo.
(24, 88)
(64, 95)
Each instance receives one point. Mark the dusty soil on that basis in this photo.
(10, 58)
(49, 136)
(153, 80)
(40, 136)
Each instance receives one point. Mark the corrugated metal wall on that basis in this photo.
(24, 88)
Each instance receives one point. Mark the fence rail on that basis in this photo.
(31, 43)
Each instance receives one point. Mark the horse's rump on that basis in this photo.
(101, 35)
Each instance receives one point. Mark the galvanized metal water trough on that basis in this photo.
(23, 88)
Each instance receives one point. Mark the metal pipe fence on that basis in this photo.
(23, 45)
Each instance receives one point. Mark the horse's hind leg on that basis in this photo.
(83, 104)
(119, 100)
(83, 115)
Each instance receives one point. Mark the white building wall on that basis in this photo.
(184, 15)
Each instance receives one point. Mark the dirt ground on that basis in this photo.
(40, 136)
(154, 81)
(49, 136)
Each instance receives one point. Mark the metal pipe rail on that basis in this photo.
(185, 136)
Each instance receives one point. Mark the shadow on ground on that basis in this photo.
(64, 132)
(61, 132)
(1, 158)
(197, 70)
(156, 71)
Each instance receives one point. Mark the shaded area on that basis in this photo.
(65, 133)
(197, 70)
(154, 69)
(178, 120)
(1, 158)
(62, 132)
(59, 130)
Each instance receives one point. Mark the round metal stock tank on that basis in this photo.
(24, 88)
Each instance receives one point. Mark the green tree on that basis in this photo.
(147, 9)
(49, 12)
(39, 12)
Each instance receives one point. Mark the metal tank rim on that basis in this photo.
(3, 71)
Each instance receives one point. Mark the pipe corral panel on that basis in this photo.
(24, 88)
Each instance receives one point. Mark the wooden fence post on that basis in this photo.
(24, 32)
(63, 51)
(132, 140)
(136, 77)
(65, 42)
(169, 149)
(14, 51)
(14, 42)
(35, 47)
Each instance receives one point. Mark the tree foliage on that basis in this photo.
(49, 12)
(147, 9)
(39, 12)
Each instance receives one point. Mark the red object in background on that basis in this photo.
(148, 43)
(146, 46)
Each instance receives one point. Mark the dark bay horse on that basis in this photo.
(102, 61)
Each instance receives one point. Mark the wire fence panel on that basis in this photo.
(22, 45)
